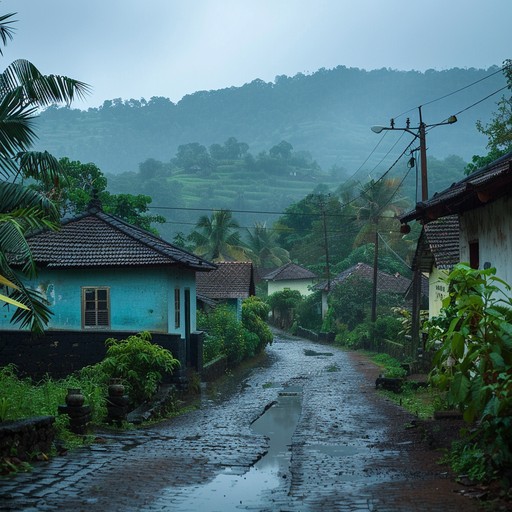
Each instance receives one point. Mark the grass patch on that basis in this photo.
(422, 402)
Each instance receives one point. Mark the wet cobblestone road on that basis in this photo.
(345, 453)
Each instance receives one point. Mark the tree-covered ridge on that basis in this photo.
(327, 113)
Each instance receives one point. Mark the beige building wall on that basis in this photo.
(302, 285)
(437, 291)
(491, 226)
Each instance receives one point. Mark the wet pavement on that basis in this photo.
(303, 430)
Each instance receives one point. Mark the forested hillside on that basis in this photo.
(327, 113)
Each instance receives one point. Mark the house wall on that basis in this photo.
(303, 286)
(437, 291)
(491, 225)
(140, 299)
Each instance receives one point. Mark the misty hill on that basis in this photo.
(327, 113)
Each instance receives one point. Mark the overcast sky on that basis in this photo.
(143, 48)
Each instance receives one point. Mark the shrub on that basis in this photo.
(138, 362)
(473, 359)
(254, 319)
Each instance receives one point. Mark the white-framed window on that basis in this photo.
(95, 307)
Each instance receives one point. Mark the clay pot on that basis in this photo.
(74, 398)
(115, 388)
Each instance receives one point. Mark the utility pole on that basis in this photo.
(416, 284)
(326, 244)
(375, 275)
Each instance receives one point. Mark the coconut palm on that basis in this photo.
(217, 238)
(23, 91)
(265, 252)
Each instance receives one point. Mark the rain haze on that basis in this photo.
(133, 49)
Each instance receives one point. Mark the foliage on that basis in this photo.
(254, 318)
(264, 249)
(24, 91)
(309, 312)
(473, 360)
(140, 364)
(284, 300)
(23, 398)
(350, 301)
(225, 335)
(84, 182)
(499, 130)
(392, 366)
(468, 459)
(217, 238)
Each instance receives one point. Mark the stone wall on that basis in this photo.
(26, 438)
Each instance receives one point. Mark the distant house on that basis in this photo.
(291, 277)
(105, 278)
(436, 254)
(229, 283)
(482, 202)
(386, 283)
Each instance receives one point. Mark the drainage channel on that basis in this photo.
(231, 491)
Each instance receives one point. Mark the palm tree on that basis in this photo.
(378, 204)
(217, 238)
(262, 242)
(23, 91)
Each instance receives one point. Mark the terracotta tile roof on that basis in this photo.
(438, 245)
(290, 271)
(230, 280)
(386, 283)
(483, 186)
(98, 239)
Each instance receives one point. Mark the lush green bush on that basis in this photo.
(140, 364)
(308, 312)
(283, 305)
(225, 335)
(473, 360)
(254, 318)
(350, 301)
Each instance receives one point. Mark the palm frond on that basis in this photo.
(39, 89)
(42, 166)
(37, 314)
(6, 31)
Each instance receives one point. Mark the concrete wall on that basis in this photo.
(437, 291)
(140, 299)
(61, 353)
(491, 225)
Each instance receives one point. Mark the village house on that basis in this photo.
(102, 278)
(386, 283)
(230, 283)
(291, 277)
(482, 204)
(436, 254)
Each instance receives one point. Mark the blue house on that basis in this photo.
(105, 278)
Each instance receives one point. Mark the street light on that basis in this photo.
(420, 133)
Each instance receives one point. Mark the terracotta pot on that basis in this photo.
(115, 388)
(74, 398)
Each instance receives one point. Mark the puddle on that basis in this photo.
(231, 491)
(313, 353)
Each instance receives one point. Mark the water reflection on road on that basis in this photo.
(231, 491)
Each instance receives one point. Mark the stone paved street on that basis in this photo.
(351, 450)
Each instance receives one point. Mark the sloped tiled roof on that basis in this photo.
(290, 271)
(230, 280)
(98, 239)
(386, 283)
(483, 186)
(438, 245)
